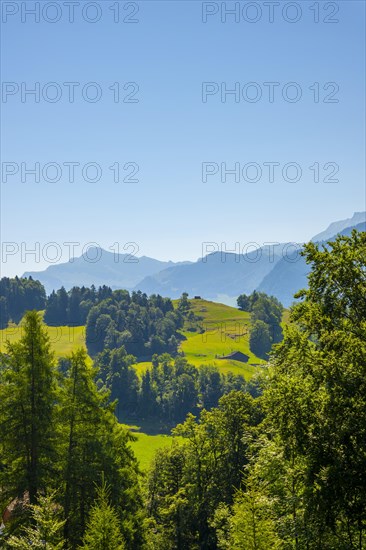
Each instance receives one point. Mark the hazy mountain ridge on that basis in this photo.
(339, 226)
(218, 276)
(114, 270)
(288, 277)
(216, 273)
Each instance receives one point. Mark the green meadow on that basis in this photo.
(224, 329)
(64, 340)
(146, 445)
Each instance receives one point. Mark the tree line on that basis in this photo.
(18, 295)
(142, 325)
(168, 390)
(71, 308)
(266, 317)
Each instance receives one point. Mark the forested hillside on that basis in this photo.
(277, 462)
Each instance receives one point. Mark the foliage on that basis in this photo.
(72, 308)
(266, 316)
(296, 455)
(184, 305)
(46, 529)
(260, 339)
(250, 525)
(167, 391)
(61, 431)
(283, 468)
(142, 325)
(27, 421)
(94, 443)
(17, 296)
(312, 453)
(103, 529)
(188, 482)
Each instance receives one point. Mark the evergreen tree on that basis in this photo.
(46, 529)
(94, 442)
(56, 313)
(27, 397)
(17, 296)
(121, 379)
(103, 530)
(4, 313)
(51, 314)
(63, 306)
(74, 313)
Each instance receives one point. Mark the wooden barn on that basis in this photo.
(236, 356)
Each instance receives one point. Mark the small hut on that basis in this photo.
(236, 356)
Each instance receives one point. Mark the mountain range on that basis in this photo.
(114, 270)
(277, 270)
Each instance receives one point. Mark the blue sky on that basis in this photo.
(170, 132)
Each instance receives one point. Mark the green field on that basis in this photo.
(64, 340)
(226, 329)
(146, 445)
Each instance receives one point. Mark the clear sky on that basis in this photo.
(169, 132)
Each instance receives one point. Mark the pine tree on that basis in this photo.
(103, 531)
(81, 410)
(94, 442)
(63, 303)
(51, 313)
(46, 530)
(27, 396)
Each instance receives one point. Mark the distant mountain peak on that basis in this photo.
(336, 227)
(99, 267)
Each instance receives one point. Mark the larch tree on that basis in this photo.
(27, 396)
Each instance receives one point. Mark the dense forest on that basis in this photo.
(143, 326)
(17, 296)
(167, 391)
(277, 463)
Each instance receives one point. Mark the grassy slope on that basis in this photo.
(146, 445)
(64, 340)
(226, 330)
